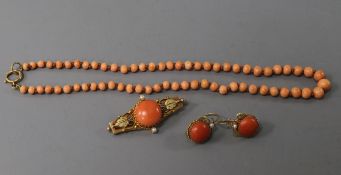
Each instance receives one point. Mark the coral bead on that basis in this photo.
(148, 113)
(248, 126)
(199, 132)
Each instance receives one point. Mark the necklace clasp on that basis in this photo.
(15, 75)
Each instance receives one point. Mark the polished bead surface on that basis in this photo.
(248, 126)
(148, 113)
(199, 132)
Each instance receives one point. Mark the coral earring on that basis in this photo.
(199, 131)
(148, 113)
(248, 126)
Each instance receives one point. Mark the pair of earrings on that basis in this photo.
(147, 114)
(200, 130)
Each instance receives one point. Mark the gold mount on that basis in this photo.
(127, 123)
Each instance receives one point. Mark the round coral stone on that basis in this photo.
(248, 126)
(199, 132)
(148, 113)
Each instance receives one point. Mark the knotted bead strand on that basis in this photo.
(323, 85)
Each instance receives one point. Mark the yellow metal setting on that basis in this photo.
(127, 122)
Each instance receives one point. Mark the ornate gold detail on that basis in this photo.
(170, 103)
(122, 122)
(126, 122)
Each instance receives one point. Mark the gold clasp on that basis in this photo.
(15, 75)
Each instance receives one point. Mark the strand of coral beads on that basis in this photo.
(322, 86)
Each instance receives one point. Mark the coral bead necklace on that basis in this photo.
(322, 86)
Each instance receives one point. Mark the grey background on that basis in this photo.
(66, 134)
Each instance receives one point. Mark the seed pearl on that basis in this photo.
(306, 93)
(162, 66)
(148, 89)
(226, 67)
(318, 75)
(151, 67)
(157, 88)
(48, 89)
(253, 89)
(175, 86)
(57, 89)
(274, 91)
(277, 69)
(41, 64)
(93, 86)
(234, 86)
(77, 64)
(284, 92)
(76, 87)
(188, 65)
(318, 92)
(31, 90)
(257, 71)
(243, 87)
(194, 84)
(169, 65)
(197, 66)
(184, 85)
(247, 69)
(40, 89)
(142, 67)
(223, 89)
(216, 67)
(308, 72)
(120, 87)
(102, 86)
(178, 65)
(68, 64)
(263, 90)
(67, 89)
(129, 88)
(124, 69)
(214, 86)
(204, 84)
(298, 70)
(267, 71)
(94, 65)
(104, 67)
(236, 68)
(111, 85)
(85, 87)
(23, 89)
(207, 66)
(154, 130)
(113, 67)
(59, 64)
(139, 88)
(324, 84)
(287, 69)
(296, 92)
(166, 85)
